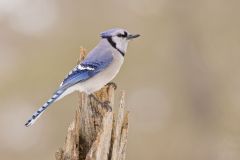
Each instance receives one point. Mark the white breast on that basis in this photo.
(96, 82)
(99, 80)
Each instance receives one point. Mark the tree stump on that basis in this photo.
(96, 133)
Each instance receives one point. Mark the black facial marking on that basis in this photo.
(122, 35)
(113, 44)
(125, 34)
(119, 35)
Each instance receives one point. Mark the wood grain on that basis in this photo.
(96, 133)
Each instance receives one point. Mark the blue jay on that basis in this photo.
(99, 67)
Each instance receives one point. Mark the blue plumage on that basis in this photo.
(80, 73)
(99, 67)
(44, 107)
(85, 70)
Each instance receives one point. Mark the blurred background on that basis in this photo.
(181, 76)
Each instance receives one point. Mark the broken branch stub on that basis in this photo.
(96, 133)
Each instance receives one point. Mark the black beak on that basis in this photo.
(129, 37)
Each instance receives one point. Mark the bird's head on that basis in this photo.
(118, 38)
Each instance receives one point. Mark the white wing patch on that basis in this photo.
(78, 67)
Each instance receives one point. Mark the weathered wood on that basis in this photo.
(96, 133)
(120, 131)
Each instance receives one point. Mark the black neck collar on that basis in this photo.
(113, 44)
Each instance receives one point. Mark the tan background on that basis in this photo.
(182, 76)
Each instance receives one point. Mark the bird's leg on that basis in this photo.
(112, 84)
(105, 104)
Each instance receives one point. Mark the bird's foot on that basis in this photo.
(104, 104)
(114, 85)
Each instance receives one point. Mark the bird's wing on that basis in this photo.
(85, 70)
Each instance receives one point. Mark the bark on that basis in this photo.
(95, 132)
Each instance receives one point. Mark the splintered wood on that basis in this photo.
(95, 133)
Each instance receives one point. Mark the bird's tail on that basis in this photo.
(38, 113)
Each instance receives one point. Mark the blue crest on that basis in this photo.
(111, 32)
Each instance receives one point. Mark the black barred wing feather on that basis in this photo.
(82, 72)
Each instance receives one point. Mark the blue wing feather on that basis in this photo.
(88, 70)
(96, 61)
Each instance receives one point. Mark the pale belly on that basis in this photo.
(96, 82)
(99, 80)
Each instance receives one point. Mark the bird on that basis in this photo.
(99, 67)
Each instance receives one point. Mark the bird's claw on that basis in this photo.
(114, 85)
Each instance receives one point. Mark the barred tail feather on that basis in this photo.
(38, 113)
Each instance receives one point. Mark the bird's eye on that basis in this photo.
(120, 35)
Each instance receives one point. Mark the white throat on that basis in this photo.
(121, 43)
